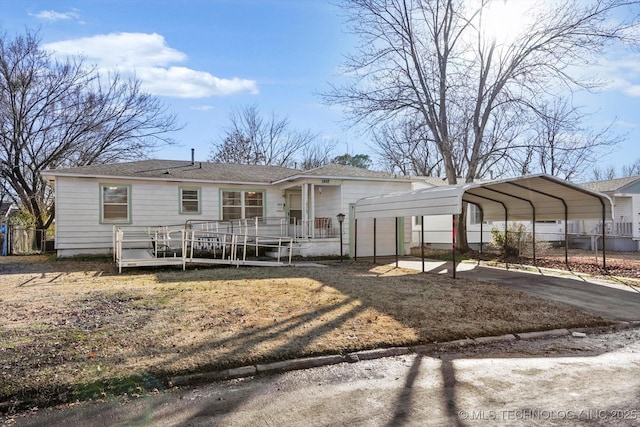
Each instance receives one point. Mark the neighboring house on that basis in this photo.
(437, 232)
(90, 200)
(6, 209)
(624, 231)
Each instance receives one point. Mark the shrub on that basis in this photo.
(516, 241)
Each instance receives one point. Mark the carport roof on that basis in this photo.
(513, 199)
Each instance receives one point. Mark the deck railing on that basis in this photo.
(198, 242)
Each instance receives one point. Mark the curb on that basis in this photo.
(318, 361)
(542, 334)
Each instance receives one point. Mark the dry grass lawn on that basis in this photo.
(76, 329)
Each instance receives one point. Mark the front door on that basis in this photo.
(294, 205)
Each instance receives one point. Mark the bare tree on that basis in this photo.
(63, 114)
(632, 169)
(606, 174)
(560, 145)
(439, 60)
(610, 172)
(260, 141)
(317, 154)
(403, 147)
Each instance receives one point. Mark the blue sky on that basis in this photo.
(205, 57)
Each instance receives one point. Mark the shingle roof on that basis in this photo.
(335, 170)
(5, 207)
(225, 172)
(172, 169)
(344, 171)
(610, 185)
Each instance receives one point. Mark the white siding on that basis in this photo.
(623, 209)
(154, 203)
(385, 227)
(636, 217)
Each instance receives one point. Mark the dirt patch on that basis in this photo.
(78, 330)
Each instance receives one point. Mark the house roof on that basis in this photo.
(610, 185)
(6, 208)
(335, 171)
(225, 172)
(179, 170)
(534, 197)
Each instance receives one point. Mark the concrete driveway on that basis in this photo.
(607, 298)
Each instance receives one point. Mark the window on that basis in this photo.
(475, 214)
(115, 203)
(189, 200)
(242, 204)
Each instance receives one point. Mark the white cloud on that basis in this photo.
(122, 50)
(149, 57)
(52, 15)
(625, 124)
(183, 82)
(202, 108)
(622, 75)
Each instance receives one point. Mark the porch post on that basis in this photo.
(305, 211)
(312, 211)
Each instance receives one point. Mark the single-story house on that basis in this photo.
(91, 200)
(623, 233)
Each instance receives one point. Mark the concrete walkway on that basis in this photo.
(607, 298)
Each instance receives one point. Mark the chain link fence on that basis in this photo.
(576, 250)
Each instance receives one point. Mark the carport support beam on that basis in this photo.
(604, 218)
(374, 240)
(355, 239)
(566, 217)
(422, 240)
(604, 237)
(397, 243)
(453, 243)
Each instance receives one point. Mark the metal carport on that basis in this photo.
(534, 197)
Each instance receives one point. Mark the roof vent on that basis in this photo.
(193, 156)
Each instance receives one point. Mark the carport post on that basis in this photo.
(534, 234)
(506, 237)
(481, 231)
(397, 242)
(374, 240)
(355, 239)
(453, 242)
(604, 235)
(422, 240)
(566, 234)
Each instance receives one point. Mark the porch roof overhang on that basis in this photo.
(539, 197)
